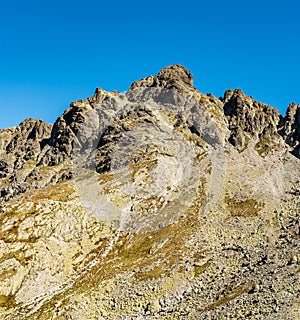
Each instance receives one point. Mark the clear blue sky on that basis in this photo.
(54, 52)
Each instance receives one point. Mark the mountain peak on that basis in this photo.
(174, 73)
(172, 76)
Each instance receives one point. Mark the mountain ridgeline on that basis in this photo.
(52, 145)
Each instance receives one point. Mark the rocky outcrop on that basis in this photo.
(33, 145)
(21, 149)
(289, 128)
(175, 76)
(63, 136)
(158, 203)
(26, 141)
(250, 120)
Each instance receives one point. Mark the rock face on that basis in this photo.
(290, 125)
(251, 120)
(20, 151)
(158, 203)
(175, 76)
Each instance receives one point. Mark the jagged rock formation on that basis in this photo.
(249, 119)
(158, 203)
(290, 127)
(21, 149)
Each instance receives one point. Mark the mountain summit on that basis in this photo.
(158, 203)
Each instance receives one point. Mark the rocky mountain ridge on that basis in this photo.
(52, 145)
(158, 203)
